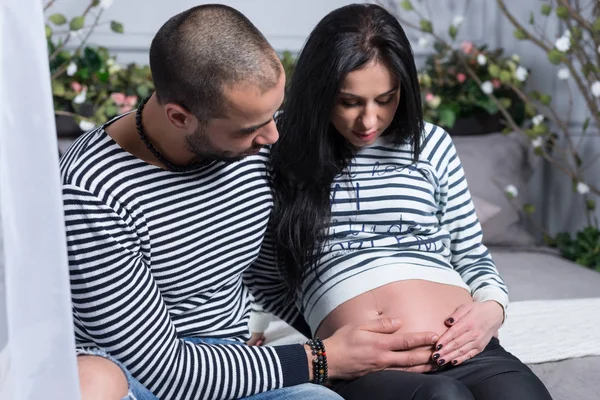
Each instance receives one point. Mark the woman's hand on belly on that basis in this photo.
(355, 350)
(472, 326)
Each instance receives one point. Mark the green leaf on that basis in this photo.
(505, 102)
(505, 76)
(528, 209)
(426, 26)
(95, 3)
(531, 19)
(447, 117)
(48, 31)
(596, 25)
(590, 205)
(406, 5)
(58, 88)
(562, 12)
(546, 9)
(555, 56)
(530, 110)
(116, 26)
(452, 31)
(494, 70)
(586, 124)
(576, 33)
(520, 34)
(77, 23)
(58, 19)
(545, 99)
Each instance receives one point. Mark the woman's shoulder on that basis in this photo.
(433, 134)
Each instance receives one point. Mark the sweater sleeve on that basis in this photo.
(121, 309)
(269, 288)
(470, 258)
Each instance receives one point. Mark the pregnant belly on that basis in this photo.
(422, 306)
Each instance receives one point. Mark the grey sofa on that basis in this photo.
(536, 274)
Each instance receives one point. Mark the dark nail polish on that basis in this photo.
(441, 362)
(436, 356)
(450, 320)
(454, 362)
(439, 347)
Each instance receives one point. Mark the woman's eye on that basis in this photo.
(346, 103)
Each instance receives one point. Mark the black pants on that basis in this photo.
(494, 374)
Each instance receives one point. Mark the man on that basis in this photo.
(166, 209)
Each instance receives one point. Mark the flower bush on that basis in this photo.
(449, 93)
(575, 54)
(88, 85)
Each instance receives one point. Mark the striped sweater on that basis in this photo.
(393, 220)
(158, 256)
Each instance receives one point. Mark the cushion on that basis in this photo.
(491, 163)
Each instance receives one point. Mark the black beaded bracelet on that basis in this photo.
(320, 361)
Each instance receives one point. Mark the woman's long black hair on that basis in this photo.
(310, 152)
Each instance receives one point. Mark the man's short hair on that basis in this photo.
(198, 53)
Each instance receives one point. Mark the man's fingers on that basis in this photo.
(412, 340)
(407, 359)
(421, 368)
(382, 325)
(416, 369)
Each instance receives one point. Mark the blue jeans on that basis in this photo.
(306, 391)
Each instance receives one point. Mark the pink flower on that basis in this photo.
(467, 47)
(460, 77)
(429, 97)
(118, 98)
(125, 103)
(76, 86)
(496, 83)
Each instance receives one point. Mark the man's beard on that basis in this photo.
(199, 144)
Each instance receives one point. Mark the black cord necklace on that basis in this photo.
(170, 166)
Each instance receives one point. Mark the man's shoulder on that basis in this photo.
(93, 155)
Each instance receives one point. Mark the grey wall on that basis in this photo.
(286, 23)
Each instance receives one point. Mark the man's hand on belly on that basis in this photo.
(355, 350)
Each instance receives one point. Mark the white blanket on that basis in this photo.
(535, 331)
(538, 331)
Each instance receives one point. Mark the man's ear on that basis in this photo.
(180, 117)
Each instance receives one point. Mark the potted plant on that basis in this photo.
(461, 105)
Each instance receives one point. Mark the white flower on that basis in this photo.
(596, 89)
(77, 34)
(71, 69)
(481, 59)
(563, 44)
(582, 188)
(598, 49)
(521, 73)
(85, 125)
(567, 34)
(104, 4)
(80, 98)
(511, 191)
(516, 58)
(487, 87)
(423, 41)
(458, 20)
(537, 142)
(434, 101)
(537, 119)
(563, 74)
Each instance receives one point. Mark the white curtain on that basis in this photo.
(37, 356)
